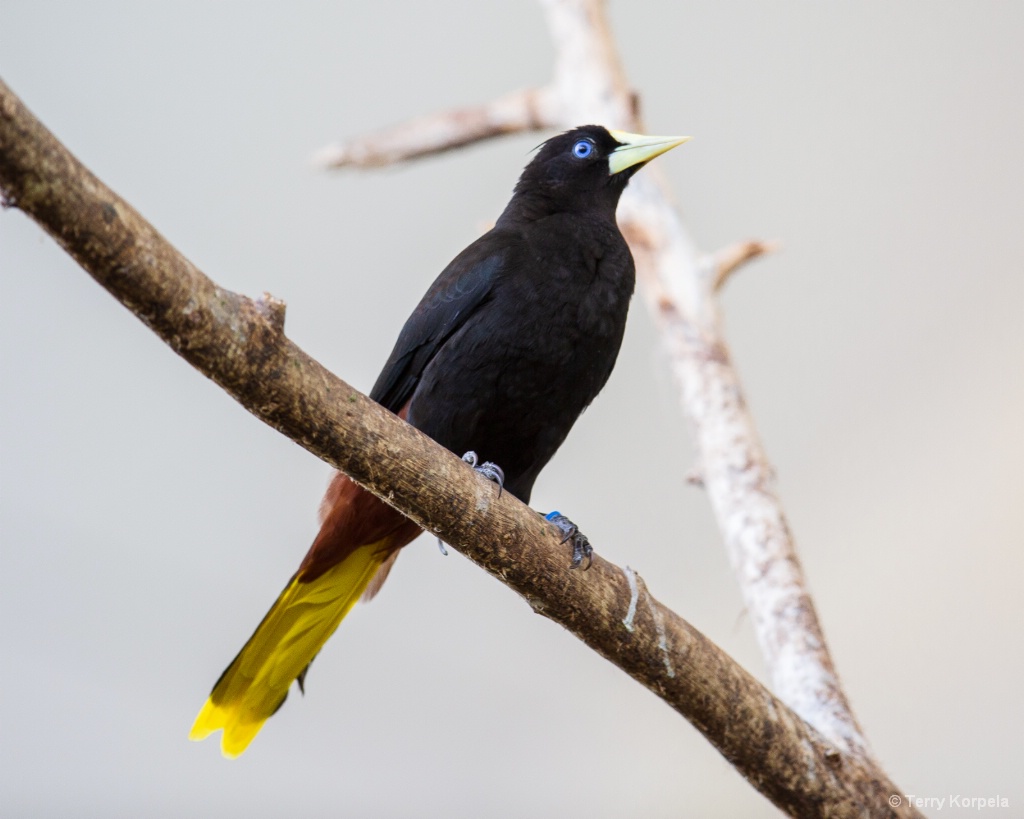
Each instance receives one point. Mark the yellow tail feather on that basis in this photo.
(294, 630)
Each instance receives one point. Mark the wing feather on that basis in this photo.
(461, 289)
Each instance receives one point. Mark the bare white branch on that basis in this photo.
(735, 471)
(525, 110)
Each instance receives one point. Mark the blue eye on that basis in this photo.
(582, 149)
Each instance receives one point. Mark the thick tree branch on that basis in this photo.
(590, 85)
(240, 344)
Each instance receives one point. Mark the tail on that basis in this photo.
(335, 573)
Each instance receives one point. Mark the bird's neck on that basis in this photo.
(531, 206)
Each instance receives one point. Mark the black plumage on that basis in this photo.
(521, 330)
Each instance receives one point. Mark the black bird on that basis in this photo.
(509, 345)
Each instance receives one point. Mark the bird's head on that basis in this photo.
(586, 168)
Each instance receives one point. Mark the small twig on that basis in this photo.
(525, 110)
(726, 261)
(274, 310)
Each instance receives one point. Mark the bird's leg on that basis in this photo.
(581, 547)
(489, 470)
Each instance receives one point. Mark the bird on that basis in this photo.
(512, 341)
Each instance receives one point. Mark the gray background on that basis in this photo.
(148, 522)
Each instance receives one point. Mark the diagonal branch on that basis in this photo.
(240, 344)
(590, 85)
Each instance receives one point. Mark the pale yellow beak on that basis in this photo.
(636, 149)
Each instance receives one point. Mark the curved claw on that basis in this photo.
(489, 470)
(581, 547)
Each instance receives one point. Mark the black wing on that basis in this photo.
(453, 297)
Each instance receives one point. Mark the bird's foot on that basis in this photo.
(581, 547)
(489, 470)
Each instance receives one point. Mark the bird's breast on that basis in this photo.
(515, 377)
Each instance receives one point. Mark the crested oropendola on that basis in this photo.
(509, 345)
